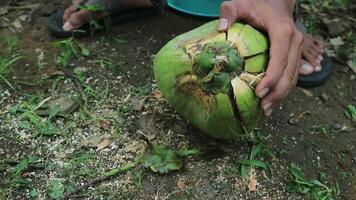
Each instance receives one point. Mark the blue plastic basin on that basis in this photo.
(204, 8)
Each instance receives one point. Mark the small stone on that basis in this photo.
(63, 105)
(138, 103)
(334, 27)
(324, 97)
(293, 120)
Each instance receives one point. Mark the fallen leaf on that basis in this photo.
(352, 65)
(3, 10)
(17, 24)
(104, 125)
(134, 146)
(337, 41)
(138, 103)
(158, 95)
(181, 183)
(252, 182)
(105, 143)
(264, 174)
(93, 141)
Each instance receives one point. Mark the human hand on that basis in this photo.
(275, 17)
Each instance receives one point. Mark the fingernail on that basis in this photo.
(263, 93)
(223, 24)
(317, 68)
(267, 106)
(67, 26)
(269, 113)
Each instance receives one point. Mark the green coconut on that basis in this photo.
(210, 81)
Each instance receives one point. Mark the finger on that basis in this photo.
(229, 12)
(76, 20)
(71, 10)
(289, 76)
(68, 12)
(279, 50)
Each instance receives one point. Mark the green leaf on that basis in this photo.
(191, 152)
(56, 189)
(254, 163)
(244, 171)
(351, 112)
(162, 159)
(255, 152)
(120, 39)
(84, 51)
(34, 193)
(315, 188)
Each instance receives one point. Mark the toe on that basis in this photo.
(312, 57)
(305, 68)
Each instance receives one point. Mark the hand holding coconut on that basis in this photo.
(276, 18)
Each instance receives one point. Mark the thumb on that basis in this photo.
(228, 15)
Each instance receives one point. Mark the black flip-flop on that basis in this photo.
(55, 21)
(316, 78)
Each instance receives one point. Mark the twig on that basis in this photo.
(107, 175)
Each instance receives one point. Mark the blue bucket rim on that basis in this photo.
(202, 14)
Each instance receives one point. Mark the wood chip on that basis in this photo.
(307, 92)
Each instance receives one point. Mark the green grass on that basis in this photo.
(68, 51)
(8, 57)
(315, 188)
(30, 120)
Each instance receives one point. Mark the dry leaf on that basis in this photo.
(17, 24)
(104, 125)
(337, 41)
(252, 182)
(264, 174)
(134, 146)
(181, 183)
(93, 141)
(352, 65)
(105, 143)
(158, 95)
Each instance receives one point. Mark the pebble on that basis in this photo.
(324, 97)
(293, 120)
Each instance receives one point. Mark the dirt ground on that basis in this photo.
(122, 103)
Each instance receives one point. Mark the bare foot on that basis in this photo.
(312, 55)
(74, 19)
